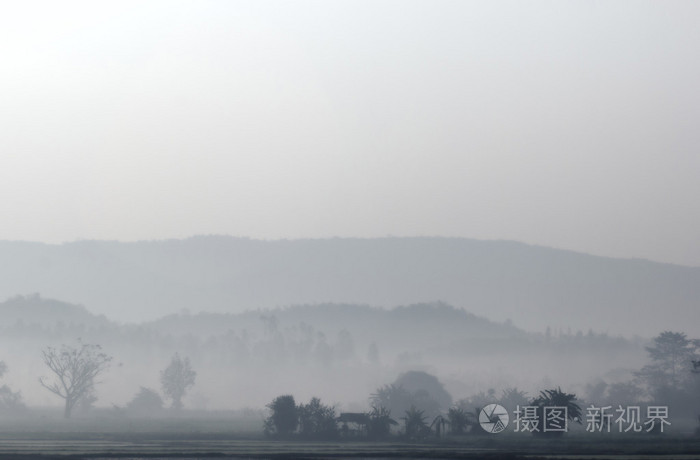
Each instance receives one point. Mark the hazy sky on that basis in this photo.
(573, 125)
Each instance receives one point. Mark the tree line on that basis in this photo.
(74, 372)
(670, 379)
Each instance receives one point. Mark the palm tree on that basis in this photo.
(380, 422)
(555, 398)
(415, 422)
(459, 420)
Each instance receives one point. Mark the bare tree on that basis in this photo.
(176, 379)
(75, 370)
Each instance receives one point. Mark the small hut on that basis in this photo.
(353, 424)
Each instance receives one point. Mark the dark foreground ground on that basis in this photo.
(191, 446)
(232, 435)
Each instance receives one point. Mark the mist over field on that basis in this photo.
(488, 316)
(341, 353)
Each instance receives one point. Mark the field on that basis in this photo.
(182, 446)
(237, 436)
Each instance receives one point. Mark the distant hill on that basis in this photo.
(534, 286)
(35, 310)
(412, 327)
(341, 352)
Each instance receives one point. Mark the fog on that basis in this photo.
(568, 125)
(215, 212)
(245, 360)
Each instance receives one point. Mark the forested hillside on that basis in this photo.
(533, 286)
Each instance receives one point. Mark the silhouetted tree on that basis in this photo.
(417, 382)
(284, 417)
(176, 379)
(394, 398)
(415, 424)
(380, 422)
(555, 398)
(421, 392)
(458, 420)
(317, 420)
(145, 402)
(671, 356)
(75, 370)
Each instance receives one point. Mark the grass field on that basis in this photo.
(181, 446)
(237, 435)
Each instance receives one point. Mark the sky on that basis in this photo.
(564, 124)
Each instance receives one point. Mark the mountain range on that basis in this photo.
(534, 287)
